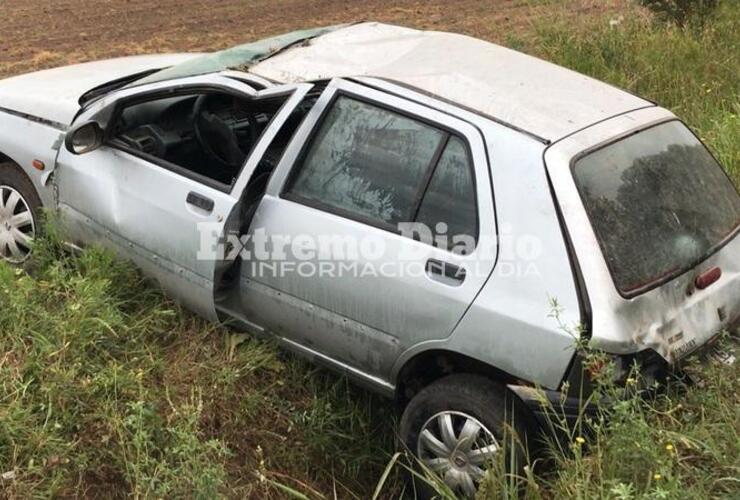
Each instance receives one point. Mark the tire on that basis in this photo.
(20, 214)
(462, 398)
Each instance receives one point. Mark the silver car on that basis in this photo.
(437, 217)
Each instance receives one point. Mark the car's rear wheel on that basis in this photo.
(19, 214)
(458, 428)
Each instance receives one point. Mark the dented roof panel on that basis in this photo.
(542, 98)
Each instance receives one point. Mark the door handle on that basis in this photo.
(445, 272)
(200, 201)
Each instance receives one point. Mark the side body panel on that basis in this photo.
(666, 319)
(23, 141)
(139, 209)
(365, 321)
(525, 320)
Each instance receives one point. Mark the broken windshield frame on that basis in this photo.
(241, 57)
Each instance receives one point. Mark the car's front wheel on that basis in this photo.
(459, 428)
(19, 214)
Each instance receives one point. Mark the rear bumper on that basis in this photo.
(562, 412)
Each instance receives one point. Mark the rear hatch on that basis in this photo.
(658, 217)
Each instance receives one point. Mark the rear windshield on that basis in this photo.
(658, 202)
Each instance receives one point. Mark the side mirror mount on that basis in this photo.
(84, 138)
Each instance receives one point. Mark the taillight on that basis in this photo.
(707, 278)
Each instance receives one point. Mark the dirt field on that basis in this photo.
(36, 34)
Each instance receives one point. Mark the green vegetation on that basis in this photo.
(684, 443)
(105, 386)
(695, 74)
(682, 12)
(108, 388)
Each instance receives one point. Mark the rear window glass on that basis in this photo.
(658, 202)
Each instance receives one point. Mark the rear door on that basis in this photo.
(157, 214)
(352, 274)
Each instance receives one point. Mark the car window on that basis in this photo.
(367, 162)
(450, 197)
(205, 135)
(659, 203)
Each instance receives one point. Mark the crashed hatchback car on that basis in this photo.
(399, 205)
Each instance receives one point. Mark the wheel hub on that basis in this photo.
(17, 227)
(459, 460)
(458, 448)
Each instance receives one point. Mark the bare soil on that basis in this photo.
(37, 34)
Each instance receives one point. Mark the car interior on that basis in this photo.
(206, 134)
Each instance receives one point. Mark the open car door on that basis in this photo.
(147, 194)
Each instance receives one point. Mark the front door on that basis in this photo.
(173, 165)
(338, 269)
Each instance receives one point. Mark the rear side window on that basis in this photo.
(658, 202)
(384, 168)
(450, 197)
(368, 162)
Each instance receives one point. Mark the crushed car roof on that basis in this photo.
(241, 57)
(541, 98)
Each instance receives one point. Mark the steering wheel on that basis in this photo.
(218, 140)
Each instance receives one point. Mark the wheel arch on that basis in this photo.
(7, 161)
(5, 158)
(24, 141)
(37, 180)
(428, 366)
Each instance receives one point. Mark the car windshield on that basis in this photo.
(658, 202)
(240, 57)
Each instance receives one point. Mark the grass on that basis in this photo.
(682, 442)
(693, 73)
(107, 388)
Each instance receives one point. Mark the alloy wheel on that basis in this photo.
(17, 227)
(457, 447)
